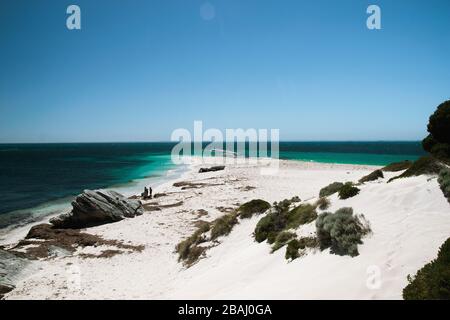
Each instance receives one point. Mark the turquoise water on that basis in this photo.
(368, 153)
(41, 179)
(347, 158)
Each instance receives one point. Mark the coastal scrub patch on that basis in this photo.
(248, 209)
(323, 203)
(192, 248)
(303, 214)
(332, 188)
(444, 182)
(432, 282)
(281, 218)
(397, 166)
(275, 221)
(375, 175)
(222, 226)
(427, 165)
(269, 226)
(348, 190)
(297, 248)
(282, 238)
(189, 250)
(292, 250)
(341, 231)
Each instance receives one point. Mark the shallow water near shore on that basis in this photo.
(38, 180)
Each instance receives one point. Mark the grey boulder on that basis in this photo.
(96, 207)
(10, 267)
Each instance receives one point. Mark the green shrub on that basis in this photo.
(248, 209)
(428, 143)
(223, 225)
(323, 203)
(439, 123)
(294, 246)
(275, 221)
(397, 166)
(285, 236)
(424, 165)
(444, 182)
(441, 151)
(281, 239)
(308, 242)
(292, 250)
(188, 251)
(281, 218)
(303, 214)
(348, 191)
(377, 174)
(282, 205)
(432, 282)
(438, 141)
(269, 226)
(330, 189)
(341, 231)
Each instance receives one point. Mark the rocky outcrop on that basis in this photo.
(96, 207)
(215, 168)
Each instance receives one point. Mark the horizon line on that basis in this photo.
(165, 141)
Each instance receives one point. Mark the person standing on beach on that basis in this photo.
(144, 194)
(150, 191)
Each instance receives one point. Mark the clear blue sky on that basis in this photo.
(139, 69)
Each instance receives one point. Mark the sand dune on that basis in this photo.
(409, 218)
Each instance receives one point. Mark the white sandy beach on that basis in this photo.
(410, 219)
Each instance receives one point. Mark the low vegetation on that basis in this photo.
(444, 182)
(292, 250)
(282, 239)
(303, 214)
(377, 174)
(223, 225)
(424, 165)
(432, 282)
(269, 226)
(341, 231)
(296, 248)
(397, 166)
(248, 209)
(330, 189)
(189, 250)
(192, 248)
(348, 190)
(280, 218)
(323, 203)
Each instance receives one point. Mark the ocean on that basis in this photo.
(42, 179)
